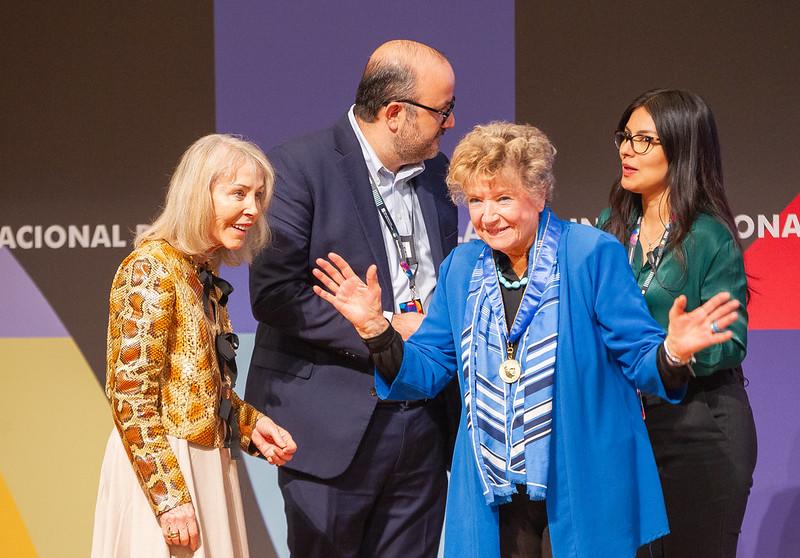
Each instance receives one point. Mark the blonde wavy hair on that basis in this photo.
(187, 219)
(489, 149)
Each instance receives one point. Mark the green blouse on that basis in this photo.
(713, 264)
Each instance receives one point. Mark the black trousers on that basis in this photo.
(388, 503)
(523, 528)
(705, 449)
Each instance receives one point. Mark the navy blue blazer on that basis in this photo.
(310, 371)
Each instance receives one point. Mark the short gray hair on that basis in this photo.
(488, 149)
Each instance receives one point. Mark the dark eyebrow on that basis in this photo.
(641, 132)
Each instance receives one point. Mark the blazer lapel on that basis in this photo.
(355, 178)
(427, 202)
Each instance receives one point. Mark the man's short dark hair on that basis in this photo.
(382, 82)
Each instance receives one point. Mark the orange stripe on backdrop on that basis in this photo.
(773, 271)
(13, 534)
(54, 422)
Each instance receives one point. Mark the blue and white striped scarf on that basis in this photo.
(510, 424)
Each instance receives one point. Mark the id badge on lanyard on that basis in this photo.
(406, 252)
(654, 259)
(409, 265)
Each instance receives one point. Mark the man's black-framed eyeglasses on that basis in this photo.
(640, 143)
(445, 114)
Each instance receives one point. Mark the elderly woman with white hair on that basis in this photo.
(548, 335)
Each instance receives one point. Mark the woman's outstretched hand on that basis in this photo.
(358, 302)
(689, 332)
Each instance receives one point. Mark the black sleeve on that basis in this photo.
(673, 377)
(386, 350)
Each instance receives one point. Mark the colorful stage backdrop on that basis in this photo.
(100, 99)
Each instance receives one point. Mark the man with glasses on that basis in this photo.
(369, 477)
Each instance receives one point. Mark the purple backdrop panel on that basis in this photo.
(239, 303)
(24, 312)
(772, 523)
(288, 68)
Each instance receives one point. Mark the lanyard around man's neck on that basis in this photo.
(403, 243)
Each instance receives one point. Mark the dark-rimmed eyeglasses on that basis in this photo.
(640, 143)
(444, 113)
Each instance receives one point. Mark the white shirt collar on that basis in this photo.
(374, 164)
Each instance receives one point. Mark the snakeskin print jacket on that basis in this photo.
(162, 374)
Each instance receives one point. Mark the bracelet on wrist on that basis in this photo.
(675, 361)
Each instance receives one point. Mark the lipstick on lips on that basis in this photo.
(628, 170)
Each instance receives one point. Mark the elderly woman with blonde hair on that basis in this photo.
(168, 484)
(543, 325)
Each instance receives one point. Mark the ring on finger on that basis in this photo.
(172, 534)
(715, 328)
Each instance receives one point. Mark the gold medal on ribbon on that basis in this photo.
(510, 371)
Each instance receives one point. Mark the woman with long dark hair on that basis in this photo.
(669, 208)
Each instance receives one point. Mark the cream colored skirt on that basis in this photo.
(124, 523)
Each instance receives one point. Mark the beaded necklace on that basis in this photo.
(511, 285)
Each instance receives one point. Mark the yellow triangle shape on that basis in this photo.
(13, 534)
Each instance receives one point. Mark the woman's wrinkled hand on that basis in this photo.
(689, 332)
(274, 442)
(179, 526)
(357, 301)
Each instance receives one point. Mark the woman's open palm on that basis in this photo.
(358, 302)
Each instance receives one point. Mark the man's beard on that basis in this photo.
(410, 147)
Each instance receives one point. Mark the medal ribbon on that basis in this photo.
(509, 424)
